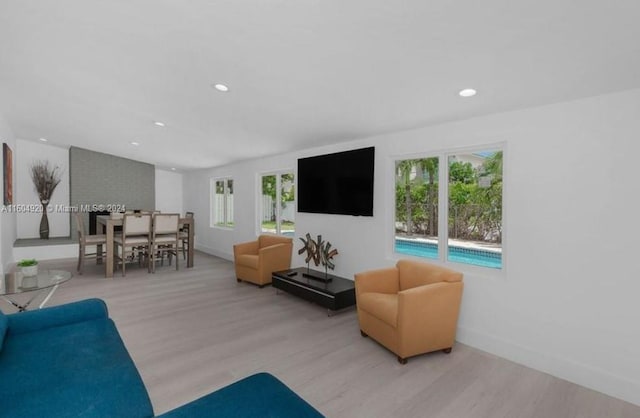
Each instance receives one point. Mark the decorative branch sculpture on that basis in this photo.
(319, 251)
(310, 248)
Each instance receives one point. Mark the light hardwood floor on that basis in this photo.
(193, 331)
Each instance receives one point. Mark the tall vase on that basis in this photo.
(44, 222)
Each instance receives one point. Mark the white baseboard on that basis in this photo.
(46, 252)
(563, 368)
(213, 251)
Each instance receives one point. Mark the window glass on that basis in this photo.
(229, 204)
(472, 233)
(288, 206)
(268, 205)
(475, 208)
(222, 203)
(416, 222)
(277, 203)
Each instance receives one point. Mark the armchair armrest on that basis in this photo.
(250, 247)
(56, 316)
(430, 307)
(275, 257)
(378, 281)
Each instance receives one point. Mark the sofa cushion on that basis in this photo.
(260, 395)
(381, 305)
(4, 321)
(76, 370)
(248, 260)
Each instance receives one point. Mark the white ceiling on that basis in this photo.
(96, 74)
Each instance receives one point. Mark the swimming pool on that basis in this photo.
(457, 254)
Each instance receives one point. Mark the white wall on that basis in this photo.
(27, 152)
(169, 191)
(7, 219)
(566, 302)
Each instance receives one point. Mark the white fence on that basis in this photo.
(288, 212)
(218, 209)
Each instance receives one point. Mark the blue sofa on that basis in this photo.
(69, 361)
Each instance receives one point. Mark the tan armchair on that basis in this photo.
(256, 260)
(410, 309)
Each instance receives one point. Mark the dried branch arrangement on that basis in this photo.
(45, 179)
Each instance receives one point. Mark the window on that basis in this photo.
(222, 203)
(277, 203)
(458, 220)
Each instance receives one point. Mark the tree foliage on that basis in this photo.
(475, 198)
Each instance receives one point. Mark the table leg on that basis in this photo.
(23, 307)
(192, 231)
(109, 267)
(46, 299)
(99, 254)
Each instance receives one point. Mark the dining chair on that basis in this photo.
(135, 238)
(85, 241)
(165, 238)
(184, 236)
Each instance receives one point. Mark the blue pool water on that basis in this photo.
(456, 254)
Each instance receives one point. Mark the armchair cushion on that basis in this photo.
(383, 306)
(248, 260)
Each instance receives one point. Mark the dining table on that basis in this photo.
(109, 223)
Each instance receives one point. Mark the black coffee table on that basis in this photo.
(335, 294)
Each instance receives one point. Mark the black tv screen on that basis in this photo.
(339, 183)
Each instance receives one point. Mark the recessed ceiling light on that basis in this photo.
(44, 139)
(134, 143)
(221, 87)
(467, 93)
(158, 123)
(173, 169)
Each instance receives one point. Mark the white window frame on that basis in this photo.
(225, 205)
(278, 174)
(443, 207)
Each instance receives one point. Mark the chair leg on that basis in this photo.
(402, 361)
(184, 252)
(80, 257)
(124, 260)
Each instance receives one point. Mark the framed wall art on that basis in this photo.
(7, 159)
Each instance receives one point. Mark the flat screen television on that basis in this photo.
(339, 183)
